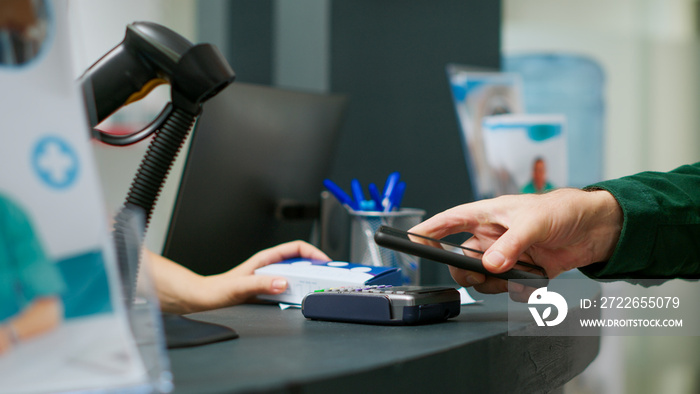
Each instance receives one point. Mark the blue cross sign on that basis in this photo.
(55, 162)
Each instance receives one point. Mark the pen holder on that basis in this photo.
(363, 249)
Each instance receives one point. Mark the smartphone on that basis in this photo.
(454, 255)
(383, 304)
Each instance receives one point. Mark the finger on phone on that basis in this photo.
(492, 286)
(519, 292)
(466, 278)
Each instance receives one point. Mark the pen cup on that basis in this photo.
(363, 249)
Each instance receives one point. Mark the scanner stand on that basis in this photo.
(154, 329)
(181, 331)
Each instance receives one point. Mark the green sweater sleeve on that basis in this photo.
(660, 236)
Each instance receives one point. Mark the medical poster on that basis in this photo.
(527, 153)
(477, 95)
(63, 325)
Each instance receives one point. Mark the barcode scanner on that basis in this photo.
(151, 55)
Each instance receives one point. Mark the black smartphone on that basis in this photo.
(454, 255)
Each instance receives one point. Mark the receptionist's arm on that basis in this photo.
(183, 291)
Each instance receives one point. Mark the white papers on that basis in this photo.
(465, 297)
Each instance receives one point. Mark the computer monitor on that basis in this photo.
(253, 174)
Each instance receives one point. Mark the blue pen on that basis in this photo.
(376, 197)
(389, 186)
(397, 196)
(357, 192)
(340, 194)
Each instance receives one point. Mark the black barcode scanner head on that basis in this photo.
(151, 55)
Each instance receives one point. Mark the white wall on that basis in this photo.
(649, 51)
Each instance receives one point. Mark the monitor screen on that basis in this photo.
(253, 174)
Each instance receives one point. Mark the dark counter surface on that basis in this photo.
(281, 351)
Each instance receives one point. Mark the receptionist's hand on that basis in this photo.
(183, 291)
(559, 231)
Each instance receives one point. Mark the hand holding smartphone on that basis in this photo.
(454, 255)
